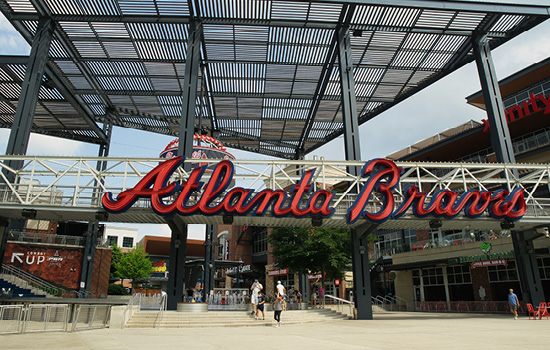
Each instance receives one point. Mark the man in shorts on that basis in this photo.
(514, 303)
(255, 288)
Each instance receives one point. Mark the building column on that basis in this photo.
(498, 127)
(178, 243)
(209, 257)
(176, 268)
(189, 98)
(526, 262)
(26, 106)
(352, 147)
(88, 258)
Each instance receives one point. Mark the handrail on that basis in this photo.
(162, 307)
(341, 302)
(131, 303)
(33, 280)
(37, 282)
(399, 299)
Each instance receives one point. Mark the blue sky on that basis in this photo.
(438, 107)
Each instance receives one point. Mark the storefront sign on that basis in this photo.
(314, 277)
(277, 272)
(383, 175)
(522, 110)
(486, 263)
(494, 256)
(233, 270)
(226, 249)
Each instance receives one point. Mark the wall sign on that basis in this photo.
(382, 176)
(277, 272)
(522, 110)
(486, 263)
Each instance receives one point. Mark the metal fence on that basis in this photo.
(228, 299)
(52, 318)
(90, 317)
(492, 307)
(11, 319)
(46, 318)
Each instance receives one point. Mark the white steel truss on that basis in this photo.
(70, 188)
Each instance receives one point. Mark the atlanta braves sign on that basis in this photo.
(193, 197)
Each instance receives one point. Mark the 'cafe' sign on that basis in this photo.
(382, 176)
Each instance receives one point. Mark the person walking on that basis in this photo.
(278, 308)
(514, 303)
(255, 288)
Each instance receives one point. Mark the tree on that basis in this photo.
(303, 250)
(135, 265)
(116, 257)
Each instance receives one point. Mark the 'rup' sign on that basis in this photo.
(382, 177)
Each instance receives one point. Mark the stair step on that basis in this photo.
(173, 319)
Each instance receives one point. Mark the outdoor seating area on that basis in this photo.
(540, 312)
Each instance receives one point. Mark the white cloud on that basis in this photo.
(11, 42)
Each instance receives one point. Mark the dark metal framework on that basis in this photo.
(268, 78)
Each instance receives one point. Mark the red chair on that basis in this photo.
(542, 311)
(532, 311)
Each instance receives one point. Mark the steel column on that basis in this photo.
(500, 135)
(528, 271)
(209, 253)
(176, 267)
(88, 259)
(189, 98)
(352, 147)
(361, 274)
(26, 106)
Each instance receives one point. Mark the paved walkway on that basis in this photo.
(386, 331)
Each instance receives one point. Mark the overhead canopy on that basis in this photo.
(269, 79)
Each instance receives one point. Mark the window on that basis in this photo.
(544, 268)
(459, 274)
(127, 242)
(260, 242)
(112, 240)
(503, 273)
(432, 276)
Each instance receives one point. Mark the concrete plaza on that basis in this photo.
(386, 331)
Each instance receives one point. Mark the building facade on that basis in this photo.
(437, 265)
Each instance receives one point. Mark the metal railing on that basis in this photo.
(228, 299)
(71, 183)
(52, 318)
(391, 303)
(15, 275)
(11, 272)
(11, 318)
(133, 304)
(465, 306)
(342, 305)
(90, 317)
(33, 237)
(46, 318)
(163, 301)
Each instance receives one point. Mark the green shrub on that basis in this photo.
(117, 289)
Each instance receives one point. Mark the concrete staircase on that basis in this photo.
(23, 285)
(174, 319)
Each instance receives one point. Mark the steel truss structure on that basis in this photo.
(268, 77)
(71, 189)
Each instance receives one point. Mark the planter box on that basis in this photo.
(192, 307)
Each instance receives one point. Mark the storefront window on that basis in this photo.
(458, 274)
(544, 268)
(503, 273)
(260, 242)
